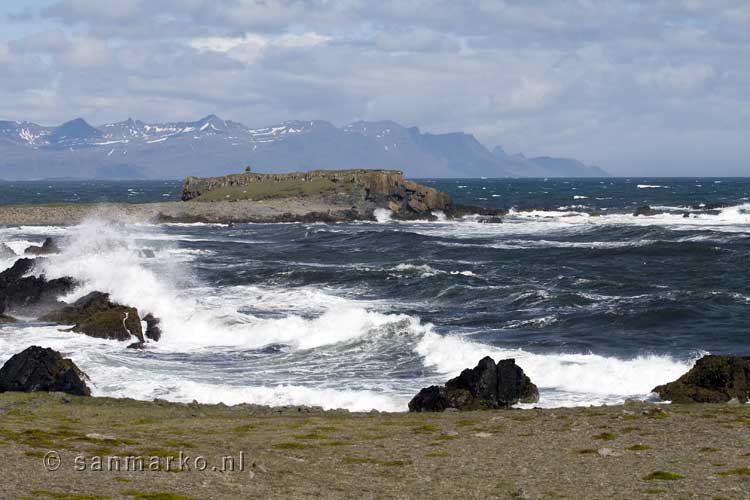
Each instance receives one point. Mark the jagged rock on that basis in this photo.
(17, 291)
(16, 271)
(95, 315)
(6, 252)
(713, 379)
(137, 345)
(153, 331)
(488, 385)
(40, 369)
(49, 246)
(644, 210)
(458, 211)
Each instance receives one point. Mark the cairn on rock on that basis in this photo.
(713, 379)
(96, 316)
(40, 369)
(487, 386)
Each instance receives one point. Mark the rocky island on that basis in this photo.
(314, 196)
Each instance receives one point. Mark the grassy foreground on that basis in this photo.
(631, 452)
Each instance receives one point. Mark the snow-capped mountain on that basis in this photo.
(213, 146)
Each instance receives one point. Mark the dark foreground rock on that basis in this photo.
(40, 369)
(95, 315)
(487, 386)
(18, 291)
(713, 379)
(48, 247)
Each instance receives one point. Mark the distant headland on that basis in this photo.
(314, 196)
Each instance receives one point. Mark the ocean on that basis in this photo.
(595, 304)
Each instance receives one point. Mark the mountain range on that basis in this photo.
(132, 149)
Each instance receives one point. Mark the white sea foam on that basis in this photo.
(651, 186)
(564, 379)
(382, 215)
(196, 320)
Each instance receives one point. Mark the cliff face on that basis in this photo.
(364, 190)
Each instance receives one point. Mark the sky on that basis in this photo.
(655, 87)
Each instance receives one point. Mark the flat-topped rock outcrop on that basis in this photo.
(363, 190)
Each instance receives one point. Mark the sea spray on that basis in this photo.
(347, 315)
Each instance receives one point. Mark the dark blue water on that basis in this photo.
(596, 194)
(90, 191)
(595, 303)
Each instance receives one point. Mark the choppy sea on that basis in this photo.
(595, 304)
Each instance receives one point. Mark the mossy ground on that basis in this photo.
(270, 190)
(304, 453)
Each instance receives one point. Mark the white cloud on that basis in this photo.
(249, 47)
(680, 78)
(543, 77)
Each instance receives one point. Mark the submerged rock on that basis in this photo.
(146, 253)
(49, 246)
(40, 369)
(95, 315)
(645, 210)
(713, 379)
(488, 385)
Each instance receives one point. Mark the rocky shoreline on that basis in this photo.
(305, 209)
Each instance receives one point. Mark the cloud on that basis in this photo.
(76, 11)
(678, 78)
(546, 77)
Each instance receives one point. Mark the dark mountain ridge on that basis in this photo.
(212, 146)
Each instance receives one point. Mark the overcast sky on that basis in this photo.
(659, 87)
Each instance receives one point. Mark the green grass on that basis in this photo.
(374, 461)
(426, 429)
(269, 190)
(139, 495)
(67, 496)
(744, 471)
(587, 451)
(606, 436)
(312, 435)
(661, 475)
(638, 447)
(292, 446)
(444, 437)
